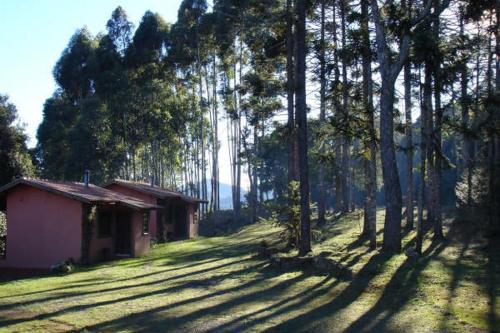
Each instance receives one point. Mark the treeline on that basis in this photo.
(402, 100)
(15, 157)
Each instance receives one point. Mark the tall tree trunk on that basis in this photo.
(421, 188)
(389, 72)
(345, 115)
(408, 147)
(370, 207)
(301, 113)
(392, 224)
(238, 135)
(494, 159)
(216, 138)
(429, 129)
(253, 190)
(202, 143)
(322, 113)
(464, 105)
(437, 138)
(338, 116)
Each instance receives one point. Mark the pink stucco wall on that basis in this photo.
(193, 225)
(97, 244)
(42, 228)
(139, 195)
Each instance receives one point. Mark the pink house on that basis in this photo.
(177, 219)
(49, 222)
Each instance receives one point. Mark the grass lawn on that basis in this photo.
(218, 285)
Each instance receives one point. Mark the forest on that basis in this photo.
(324, 106)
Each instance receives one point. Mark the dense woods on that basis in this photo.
(325, 106)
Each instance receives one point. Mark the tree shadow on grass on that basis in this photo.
(240, 323)
(135, 285)
(201, 283)
(155, 320)
(458, 271)
(194, 258)
(83, 283)
(349, 295)
(403, 283)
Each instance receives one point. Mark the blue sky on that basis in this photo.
(33, 33)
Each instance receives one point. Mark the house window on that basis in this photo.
(145, 223)
(104, 224)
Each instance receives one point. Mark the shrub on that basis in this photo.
(288, 216)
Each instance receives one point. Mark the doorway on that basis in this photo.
(180, 221)
(123, 240)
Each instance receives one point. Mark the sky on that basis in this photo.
(33, 34)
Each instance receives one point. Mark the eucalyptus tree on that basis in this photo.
(147, 82)
(73, 72)
(59, 116)
(120, 30)
(112, 85)
(230, 31)
(14, 156)
(189, 16)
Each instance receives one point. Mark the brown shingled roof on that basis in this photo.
(155, 191)
(78, 191)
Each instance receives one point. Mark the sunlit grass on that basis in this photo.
(218, 285)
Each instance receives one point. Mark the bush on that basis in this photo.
(65, 267)
(223, 222)
(288, 216)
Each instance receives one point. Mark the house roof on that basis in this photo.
(155, 191)
(78, 191)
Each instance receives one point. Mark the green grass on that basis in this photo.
(219, 285)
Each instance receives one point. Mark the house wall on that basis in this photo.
(97, 244)
(193, 225)
(42, 228)
(140, 242)
(139, 195)
(169, 227)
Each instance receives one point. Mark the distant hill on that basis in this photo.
(226, 201)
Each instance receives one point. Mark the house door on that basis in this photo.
(123, 242)
(180, 221)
